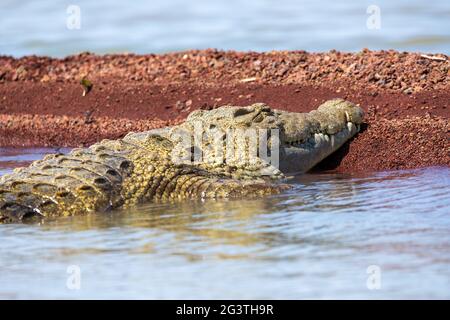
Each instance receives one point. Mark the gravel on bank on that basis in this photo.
(406, 97)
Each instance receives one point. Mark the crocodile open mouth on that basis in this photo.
(320, 136)
(308, 138)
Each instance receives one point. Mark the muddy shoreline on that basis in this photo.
(406, 97)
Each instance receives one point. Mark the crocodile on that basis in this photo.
(227, 152)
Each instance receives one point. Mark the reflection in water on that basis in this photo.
(229, 221)
(315, 241)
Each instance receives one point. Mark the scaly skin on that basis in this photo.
(141, 166)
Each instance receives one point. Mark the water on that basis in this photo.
(319, 240)
(140, 26)
(316, 241)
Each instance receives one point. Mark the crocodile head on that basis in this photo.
(256, 140)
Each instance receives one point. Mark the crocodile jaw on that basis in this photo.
(308, 138)
(303, 157)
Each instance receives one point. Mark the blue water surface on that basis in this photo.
(380, 235)
(141, 26)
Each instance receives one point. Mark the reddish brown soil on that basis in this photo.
(406, 97)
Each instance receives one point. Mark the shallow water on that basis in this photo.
(141, 26)
(317, 241)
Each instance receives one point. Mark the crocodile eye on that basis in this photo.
(242, 112)
(258, 118)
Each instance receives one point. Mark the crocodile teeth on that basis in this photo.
(350, 126)
(318, 137)
(347, 116)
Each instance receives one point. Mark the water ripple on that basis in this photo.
(315, 241)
